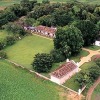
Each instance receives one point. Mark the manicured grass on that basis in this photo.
(96, 93)
(87, 65)
(76, 58)
(23, 51)
(18, 84)
(93, 47)
(71, 83)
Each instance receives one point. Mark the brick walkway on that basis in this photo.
(90, 91)
(88, 58)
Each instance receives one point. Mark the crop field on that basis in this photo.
(18, 84)
(23, 51)
(5, 3)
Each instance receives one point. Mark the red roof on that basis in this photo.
(95, 57)
(46, 29)
(64, 69)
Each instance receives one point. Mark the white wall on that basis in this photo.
(97, 43)
(54, 79)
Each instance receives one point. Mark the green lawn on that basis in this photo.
(93, 47)
(96, 93)
(87, 65)
(23, 51)
(76, 58)
(72, 84)
(18, 84)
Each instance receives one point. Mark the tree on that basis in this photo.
(94, 72)
(3, 54)
(42, 62)
(98, 62)
(89, 31)
(2, 44)
(15, 28)
(39, 11)
(98, 25)
(25, 4)
(45, 1)
(29, 21)
(47, 20)
(57, 55)
(10, 40)
(62, 17)
(83, 79)
(68, 39)
(97, 10)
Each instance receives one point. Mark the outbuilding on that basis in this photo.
(64, 72)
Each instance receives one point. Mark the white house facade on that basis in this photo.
(64, 72)
(97, 42)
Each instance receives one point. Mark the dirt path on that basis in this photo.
(90, 91)
(2, 8)
(88, 58)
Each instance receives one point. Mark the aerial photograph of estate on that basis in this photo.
(49, 49)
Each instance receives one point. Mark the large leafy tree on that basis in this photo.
(68, 39)
(89, 31)
(62, 17)
(94, 72)
(83, 79)
(42, 62)
(98, 62)
(47, 20)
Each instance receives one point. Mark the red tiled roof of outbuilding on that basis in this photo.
(64, 69)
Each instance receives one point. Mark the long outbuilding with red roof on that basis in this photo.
(64, 72)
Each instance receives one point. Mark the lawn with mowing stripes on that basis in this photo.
(23, 51)
(18, 84)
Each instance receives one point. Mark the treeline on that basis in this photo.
(51, 14)
(15, 11)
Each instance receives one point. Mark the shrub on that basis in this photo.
(98, 62)
(57, 56)
(3, 54)
(2, 44)
(10, 40)
(42, 62)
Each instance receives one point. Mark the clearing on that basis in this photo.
(23, 51)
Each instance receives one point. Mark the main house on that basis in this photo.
(43, 30)
(64, 72)
(97, 42)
